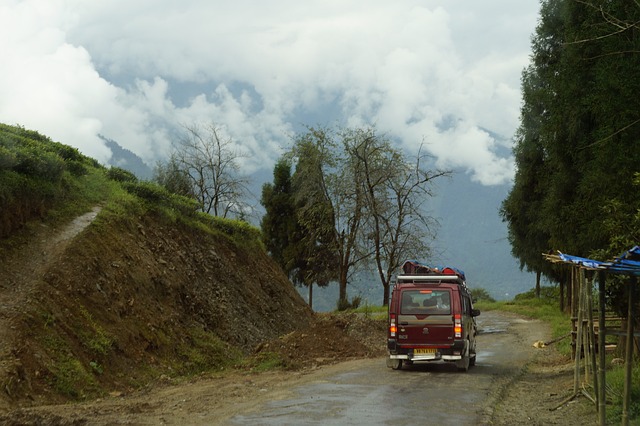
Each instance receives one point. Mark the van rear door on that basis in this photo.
(425, 317)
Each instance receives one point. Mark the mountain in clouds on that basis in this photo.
(125, 159)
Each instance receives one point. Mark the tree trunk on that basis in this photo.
(311, 296)
(342, 296)
(538, 285)
(385, 298)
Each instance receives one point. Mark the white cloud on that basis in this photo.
(73, 69)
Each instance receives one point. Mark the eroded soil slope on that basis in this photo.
(124, 302)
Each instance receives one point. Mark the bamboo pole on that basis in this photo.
(576, 370)
(586, 337)
(592, 337)
(628, 359)
(601, 343)
(573, 297)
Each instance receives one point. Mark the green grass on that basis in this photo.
(373, 311)
(264, 361)
(615, 381)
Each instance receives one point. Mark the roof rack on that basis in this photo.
(430, 278)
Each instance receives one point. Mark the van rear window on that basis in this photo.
(425, 302)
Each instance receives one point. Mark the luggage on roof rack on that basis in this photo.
(411, 267)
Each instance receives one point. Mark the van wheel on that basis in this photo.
(396, 364)
(463, 364)
(472, 360)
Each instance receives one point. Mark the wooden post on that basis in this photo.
(573, 309)
(628, 359)
(601, 352)
(578, 346)
(592, 337)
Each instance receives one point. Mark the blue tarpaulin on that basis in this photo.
(628, 263)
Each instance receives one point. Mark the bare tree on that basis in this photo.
(366, 200)
(210, 161)
(395, 189)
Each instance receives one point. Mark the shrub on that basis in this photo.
(37, 162)
(547, 293)
(239, 230)
(344, 304)
(76, 168)
(7, 158)
(481, 295)
(148, 191)
(121, 175)
(66, 152)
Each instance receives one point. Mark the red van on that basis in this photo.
(431, 318)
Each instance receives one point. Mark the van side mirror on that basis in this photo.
(475, 312)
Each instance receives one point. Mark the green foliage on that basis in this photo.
(481, 295)
(37, 162)
(148, 191)
(202, 351)
(279, 224)
(173, 177)
(243, 233)
(43, 179)
(346, 305)
(7, 158)
(371, 311)
(615, 384)
(576, 148)
(71, 378)
(93, 336)
(121, 175)
(548, 294)
(67, 374)
(265, 361)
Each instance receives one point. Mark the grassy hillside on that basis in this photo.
(150, 288)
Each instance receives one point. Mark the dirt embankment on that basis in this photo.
(90, 309)
(122, 309)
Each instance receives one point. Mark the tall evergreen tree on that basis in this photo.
(279, 222)
(578, 145)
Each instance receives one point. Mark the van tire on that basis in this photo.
(463, 364)
(472, 360)
(396, 364)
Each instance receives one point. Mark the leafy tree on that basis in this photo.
(283, 235)
(314, 250)
(170, 175)
(358, 201)
(529, 232)
(279, 221)
(577, 146)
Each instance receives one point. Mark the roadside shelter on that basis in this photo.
(627, 264)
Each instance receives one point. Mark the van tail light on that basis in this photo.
(457, 325)
(392, 325)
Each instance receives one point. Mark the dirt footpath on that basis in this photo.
(524, 388)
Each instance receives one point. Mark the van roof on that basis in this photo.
(433, 279)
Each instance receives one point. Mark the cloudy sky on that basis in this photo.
(445, 73)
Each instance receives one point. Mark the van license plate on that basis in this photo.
(424, 351)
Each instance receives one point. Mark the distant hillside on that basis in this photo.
(125, 159)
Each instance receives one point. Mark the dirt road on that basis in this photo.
(512, 383)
